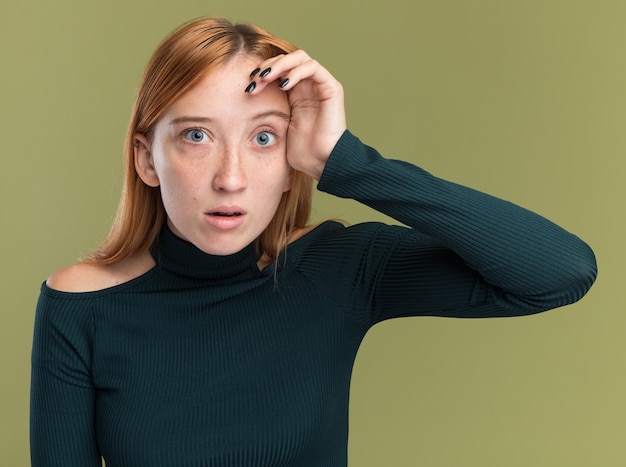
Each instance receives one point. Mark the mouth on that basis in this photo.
(225, 214)
(226, 218)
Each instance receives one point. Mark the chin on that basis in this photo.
(215, 243)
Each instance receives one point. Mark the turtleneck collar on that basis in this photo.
(181, 257)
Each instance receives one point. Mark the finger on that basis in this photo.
(281, 68)
(264, 68)
(307, 70)
(281, 63)
(259, 73)
(294, 68)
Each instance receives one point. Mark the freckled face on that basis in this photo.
(219, 157)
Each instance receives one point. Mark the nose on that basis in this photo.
(230, 175)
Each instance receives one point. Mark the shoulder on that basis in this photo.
(90, 277)
(333, 246)
(344, 235)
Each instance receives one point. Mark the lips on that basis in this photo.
(225, 217)
(226, 211)
(225, 214)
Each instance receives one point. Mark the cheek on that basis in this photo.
(177, 187)
(274, 180)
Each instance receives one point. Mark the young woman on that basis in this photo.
(214, 326)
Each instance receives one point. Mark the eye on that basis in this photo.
(195, 135)
(264, 138)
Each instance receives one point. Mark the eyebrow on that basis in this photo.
(259, 116)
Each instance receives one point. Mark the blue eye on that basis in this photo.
(196, 135)
(264, 138)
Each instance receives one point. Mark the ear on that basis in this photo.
(144, 163)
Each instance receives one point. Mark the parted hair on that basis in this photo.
(181, 61)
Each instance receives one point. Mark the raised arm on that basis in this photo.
(471, 253)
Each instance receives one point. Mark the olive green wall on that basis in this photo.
(525, 99)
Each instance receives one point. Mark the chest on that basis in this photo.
(267, 370)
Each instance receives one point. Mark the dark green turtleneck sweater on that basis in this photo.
(207, 361)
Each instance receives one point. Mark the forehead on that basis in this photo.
(220, 94)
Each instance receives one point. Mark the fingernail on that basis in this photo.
(283, 83)
(254, 72)
(251, 87)
(265, 72)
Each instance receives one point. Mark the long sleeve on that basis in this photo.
(467, 254)
(62, 394)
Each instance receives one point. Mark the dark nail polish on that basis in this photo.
(254, 72)
(265, 72)
(251, 87)
(283, 83)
